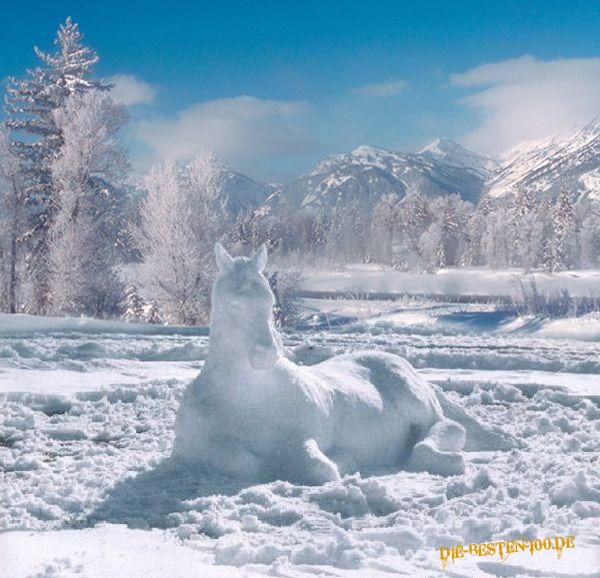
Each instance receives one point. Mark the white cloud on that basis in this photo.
(382, 89)
(238, 130)
(130, 90)
(528, 99)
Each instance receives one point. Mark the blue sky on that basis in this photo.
(273, 86)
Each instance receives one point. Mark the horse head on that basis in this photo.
(242, 309)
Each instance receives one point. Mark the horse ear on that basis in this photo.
(260, 258)
(223, 258)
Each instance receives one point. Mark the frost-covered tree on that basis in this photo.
(431, 248)
(335, 248)
(88, 177)
(12, 226)
(383, 228)
(565, 238)
(133, 307)
(451, 215)
(181, 218)
(542, 235)
(522, 216)
(151, 313)
(412, 219)
(495, 245)
(589, 237)
(36, 139)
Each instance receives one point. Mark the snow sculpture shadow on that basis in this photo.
(254, 415)
(151, 497)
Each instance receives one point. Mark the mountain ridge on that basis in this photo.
(364, 175)
(566, 161)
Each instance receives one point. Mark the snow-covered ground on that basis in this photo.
(87, 489)
(361, 279)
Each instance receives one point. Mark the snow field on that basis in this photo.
(94, 462)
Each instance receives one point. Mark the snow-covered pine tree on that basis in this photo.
(542, 234)
(522, 211)
(151, 313)
(87, 178)
(36, 139)
(133, 307)
(565, 235)
(12, 226)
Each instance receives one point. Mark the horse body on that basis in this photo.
(254, 414)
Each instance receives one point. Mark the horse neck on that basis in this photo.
(224, 348)
(229, 345)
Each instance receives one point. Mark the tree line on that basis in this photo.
(423, 234)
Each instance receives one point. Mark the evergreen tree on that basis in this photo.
(134, 305)
(151, 313)
(565, 248)
(542, 235)
(522, 211)
(36, 139)
(590, 238)
(12, 225)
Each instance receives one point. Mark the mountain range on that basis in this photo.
(568, 161)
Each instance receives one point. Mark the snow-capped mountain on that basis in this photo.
(241, 193)
(363, 176)
(367, 173)
(452, 153)
(567, 161)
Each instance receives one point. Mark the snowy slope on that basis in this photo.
(367, 173)
(570, 161)
(452, 153)
(241, 193)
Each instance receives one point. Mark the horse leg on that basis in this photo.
(312, 466)
(479, 436)
(229, 457)
(440, 451)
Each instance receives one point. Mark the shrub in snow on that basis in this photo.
(253, 414)
(285, 286)
(533, 301)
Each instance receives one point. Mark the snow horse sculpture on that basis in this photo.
(254, 414)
